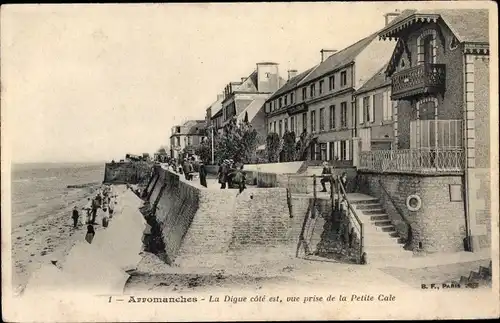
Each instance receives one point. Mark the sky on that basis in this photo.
(84, 83)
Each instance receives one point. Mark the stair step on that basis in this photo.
(375, 211)
(377, 257)
(376, 217)
(367, 201)
(384, 228)
(381, 223)
(367, 206)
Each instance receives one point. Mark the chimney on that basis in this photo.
(325, 53)
(291, 74)
(389, 17)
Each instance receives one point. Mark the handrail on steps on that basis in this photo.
(351, 209)
(409, 236)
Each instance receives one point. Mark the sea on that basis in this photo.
(40, 190)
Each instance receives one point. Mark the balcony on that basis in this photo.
(418, 161)
(418, 80)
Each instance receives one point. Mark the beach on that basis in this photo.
(42, 228)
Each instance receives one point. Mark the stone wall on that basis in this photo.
(126, 172)
(439, 224)
(197, 220)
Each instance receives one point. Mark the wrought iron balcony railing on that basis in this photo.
(420, 79)
(423, 160)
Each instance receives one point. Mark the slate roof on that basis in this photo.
(339, 59)
(377, 81)
(290, 84)
(195, 127)
(468, 25)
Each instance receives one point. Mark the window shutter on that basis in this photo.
(337, 146)
(361, 114)
(347, 157)
(385, 104)
(372, 104)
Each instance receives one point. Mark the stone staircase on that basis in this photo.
(480, 278)
(381, 240)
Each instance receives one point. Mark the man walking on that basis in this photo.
(203, 174)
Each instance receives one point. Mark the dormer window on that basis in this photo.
(454, 43)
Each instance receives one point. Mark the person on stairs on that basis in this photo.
(326, 176)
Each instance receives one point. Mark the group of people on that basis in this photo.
(189, 167)
(231, 175)
(102, 205)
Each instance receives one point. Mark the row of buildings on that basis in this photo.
(408, 106)
(403, 87)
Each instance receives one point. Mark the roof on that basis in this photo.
(252, 109)
(339, 59)
(216, 106)
(376, 81)
(468, 25)
(290, 84)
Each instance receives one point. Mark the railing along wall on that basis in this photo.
(353, 217)
(422, 160)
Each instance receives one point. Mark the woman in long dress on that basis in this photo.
(105, 217)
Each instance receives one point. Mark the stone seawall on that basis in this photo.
(126, 172)
(200, 221)
(438, 225)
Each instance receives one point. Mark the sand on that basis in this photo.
(45, 240)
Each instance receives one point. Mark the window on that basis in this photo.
(274, 130)
(366, 109)
(322, 119)
(331, 82)
(178, 129)
(304, 121)
(270, 127)
(286, 98)
(280, 102)
(313, 121)
(313, 90)
(178, 141)
(292, 124)
(321, 83)
(304, 93)
(280, 129)
(291, 98)
(286, 124)
(387, 106)
(332, 117)
(331, 154)
(344, 150)
(343, 114)
(343, 78)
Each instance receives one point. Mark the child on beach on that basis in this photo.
(90, 233)
(105, 217)
(75, 216)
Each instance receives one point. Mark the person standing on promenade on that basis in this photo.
(240, 179)
(90, 233)
(223, 174)
(327, 176)
(203, 174)
(75, 217)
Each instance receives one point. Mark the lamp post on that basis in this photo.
(213, 152)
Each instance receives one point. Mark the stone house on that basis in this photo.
(438, 173)
(320, 101)
(190, 133)
(247, 97)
